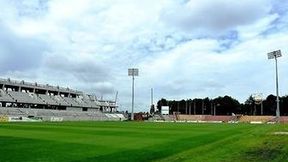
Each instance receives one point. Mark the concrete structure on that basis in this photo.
(21, 94)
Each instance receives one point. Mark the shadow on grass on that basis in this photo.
(270, 151)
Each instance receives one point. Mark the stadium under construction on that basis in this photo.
(24, 101)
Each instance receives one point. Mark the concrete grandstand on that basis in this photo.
(20, 99)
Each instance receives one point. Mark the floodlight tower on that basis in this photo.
(275, 55)
(133, 72)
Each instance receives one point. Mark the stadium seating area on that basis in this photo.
(72, 102)
(48, 99)
(208, 118)
(190, 117)
(5, 96)
(61, 100)
(20, 98)
(47, 114)
(158, 117)
(222, 118)
(249, 119)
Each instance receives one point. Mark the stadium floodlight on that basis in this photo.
(133, 72)
(275, 55)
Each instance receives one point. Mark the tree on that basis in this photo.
(250, 107)
(226, 105)
(206, 105)
(270, 105)
(284, 105)
(160, 103)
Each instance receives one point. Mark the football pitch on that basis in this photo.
(142, 141)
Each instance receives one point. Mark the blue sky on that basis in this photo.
(183, 49)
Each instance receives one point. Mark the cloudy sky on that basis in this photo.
(183, 49)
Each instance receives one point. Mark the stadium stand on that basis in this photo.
(191, 117)
(59, 99)
(24, 99)
(72, 102)
(221, 118)
(47, 114)
(261, 119)
(48, 99)
(206, 118)
(5, 97)
(36, 98)
(89, 101)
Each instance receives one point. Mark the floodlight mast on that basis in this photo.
(133, 72)
(275, 55)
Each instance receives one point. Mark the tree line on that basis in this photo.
(224, 105)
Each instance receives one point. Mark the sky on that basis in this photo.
(182, 48)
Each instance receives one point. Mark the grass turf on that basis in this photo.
(140, 141)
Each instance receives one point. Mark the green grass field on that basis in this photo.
(141, 141)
